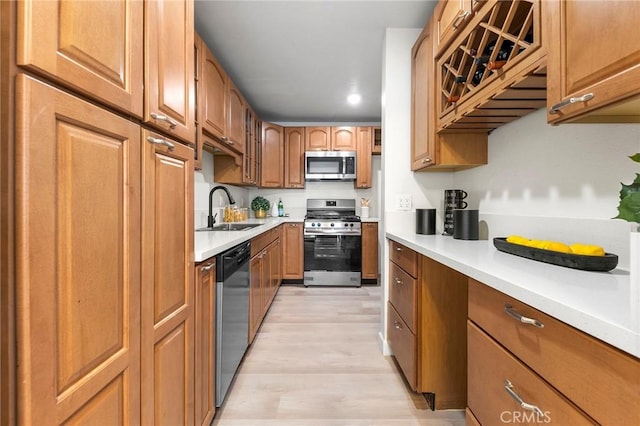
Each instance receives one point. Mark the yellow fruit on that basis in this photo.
(587, 249)
(516, 239)
(558, 246)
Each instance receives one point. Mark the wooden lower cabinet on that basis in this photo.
(428, 312)
(369, 251)
(167, 293)
(292, 251)
(78, 250)
(205, 342)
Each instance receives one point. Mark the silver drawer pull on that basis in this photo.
(397, 325)
(397, 280)
(526, 406)
(208, 267)
(172, 123)
(557, 107)
(525, 320)
(159, 141)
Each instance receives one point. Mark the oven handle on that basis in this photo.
(337, 233)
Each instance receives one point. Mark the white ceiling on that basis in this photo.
(296, 61)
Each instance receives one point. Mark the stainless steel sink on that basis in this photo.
(230, 227)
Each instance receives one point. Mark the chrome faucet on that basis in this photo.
(211, 220)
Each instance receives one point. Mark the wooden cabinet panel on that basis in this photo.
(403, 295)
(404, 257)
(369, 250)
(65, 40)
(317, 139)
(292, 251)
(422, 101)
(561, 355)
(167, 283)
(212, 95)
(490, 367)
(266, 275)
(451, 15)
(256, 293)
(272, 156)
(344, 138)
(78, 259)
(376, 140)
(294, 157)
(235, 118)
(608, 69)
(205, 342)
(363, 157)
(169, 81)
(403, 344)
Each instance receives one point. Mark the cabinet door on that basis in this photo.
(292, 251)
(370, 250)
(343, 138)
(294, 157)
(77, 260)
(272, 158)
(169, 68)
(213, 95)
(422, 108)
(255, 291)
(363, 158)
(66, 41)
(167, 282)
(235, 136)
(317, 139)
(452, 15)
(376, 140)
(607, 71)
(205, 343)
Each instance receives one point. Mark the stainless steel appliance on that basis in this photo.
(232, 315)
(330, 165)
(332, 243)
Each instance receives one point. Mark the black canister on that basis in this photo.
(465, 224)
(426, 221)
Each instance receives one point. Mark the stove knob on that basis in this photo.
(346, 224)
(351, 225)
(332, 224)
(313, 224)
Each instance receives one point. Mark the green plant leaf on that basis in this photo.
(629, 208)
(635, 157)
(629, 189)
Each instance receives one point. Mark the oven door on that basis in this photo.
(332, 260)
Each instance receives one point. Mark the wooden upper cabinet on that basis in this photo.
(235, 136)
(317, 139)
(376, 140)
(78, 260)
(294, 157)
(169, 97)
(292, 251)
(343, 138)
(452, 16)
(65, 41)
(167, 291)
(272, 158)
(212, 95)
(594, 59)
(422, 101)
(363, 157)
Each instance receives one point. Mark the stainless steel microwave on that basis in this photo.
(330, 165)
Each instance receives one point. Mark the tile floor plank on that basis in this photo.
(316, 362)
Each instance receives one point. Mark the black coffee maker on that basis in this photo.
(453, 200)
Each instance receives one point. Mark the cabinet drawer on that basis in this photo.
(402, 294)
(261, 241)
(403, 344)
(404, 257)
(489, 369)
(598, 378)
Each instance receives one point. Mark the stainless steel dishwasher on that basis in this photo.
(232, 314)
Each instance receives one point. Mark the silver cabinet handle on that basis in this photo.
(397, 280)
(557, 107)
(459, 18)
(159, 141)
(172, 123)
(526, 406)
(397, 325)
(208, 267)
(398, 248)
(525, 320)
(426, 160)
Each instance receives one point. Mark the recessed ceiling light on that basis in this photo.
(354, 99)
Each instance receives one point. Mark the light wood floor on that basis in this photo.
(316, 361)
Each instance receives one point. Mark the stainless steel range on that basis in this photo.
(332, 243)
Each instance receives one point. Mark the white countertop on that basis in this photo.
(210, 243)
(601, 304)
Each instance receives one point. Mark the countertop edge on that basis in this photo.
(616, 335)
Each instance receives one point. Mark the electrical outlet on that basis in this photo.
(404, 202)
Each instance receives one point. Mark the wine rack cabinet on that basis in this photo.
(495, 70)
